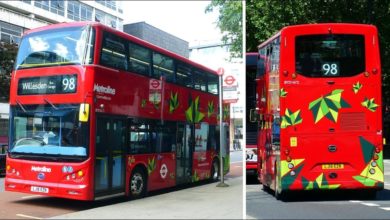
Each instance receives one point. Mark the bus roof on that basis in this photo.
(124, 35)
(317, 26)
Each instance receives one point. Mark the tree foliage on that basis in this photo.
(7, 56)
(230, 23)
(266, 17)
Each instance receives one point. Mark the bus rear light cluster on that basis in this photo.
(11, 170)
(377, 150)
(376, 157)
(290, 165)
(75, 175)
(287, 152)
(373, 164)
(288, 159)
(366, 74)
(294, 75)
(372, 171)
(292, 173)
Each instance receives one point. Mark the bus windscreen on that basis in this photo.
(330, 55)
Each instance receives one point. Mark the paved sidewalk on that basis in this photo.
(199, 202)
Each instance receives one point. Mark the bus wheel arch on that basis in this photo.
(138, 182)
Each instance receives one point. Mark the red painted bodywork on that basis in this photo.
(131, 89)
(313, 139)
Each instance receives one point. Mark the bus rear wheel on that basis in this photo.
(279, 193)
(214, 173)
(137, 184)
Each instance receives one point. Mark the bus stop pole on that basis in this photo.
(221, 132)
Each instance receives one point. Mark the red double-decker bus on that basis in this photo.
(320, 115)
(251, 126)
(96, 113)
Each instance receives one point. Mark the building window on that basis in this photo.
(74, 10)
(57, 7)
(26, 1)
(108, 3)
(85, 13)
(4, 128)
(10, 33)
(44, 4)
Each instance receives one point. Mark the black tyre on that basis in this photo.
(138, 184)
(214, 173)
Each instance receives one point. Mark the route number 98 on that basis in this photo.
(330, 69)
(69, 84)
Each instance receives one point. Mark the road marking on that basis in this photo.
(356, 201)
(386, 161)
(385, 208)
(369, 204)
(30, 197)
(27, 216)
(236, 162)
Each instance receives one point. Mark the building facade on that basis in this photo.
(158, 37)
(18, 16)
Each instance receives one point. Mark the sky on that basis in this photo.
(184, 19)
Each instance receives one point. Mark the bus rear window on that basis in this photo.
(332, 55)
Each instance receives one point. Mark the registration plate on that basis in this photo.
(39, 189)
(332, 166)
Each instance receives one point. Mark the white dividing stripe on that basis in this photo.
(355, 201)
(27, 216)
(385, 208)
(369, 204)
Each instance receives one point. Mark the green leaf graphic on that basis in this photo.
(143, 103)
(173, 102)
(291, 118)
(210, 109)
(151, 165)
(370, 104)
(195, 177)
(328, 106)
(356, 87)
(192, 113)
(283, 93)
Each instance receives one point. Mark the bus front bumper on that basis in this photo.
(62, 190)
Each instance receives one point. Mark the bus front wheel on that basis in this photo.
(138, 183)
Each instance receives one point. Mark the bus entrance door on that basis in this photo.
(183, 153)
(109, 169)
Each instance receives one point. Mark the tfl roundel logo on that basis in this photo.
(41, 176)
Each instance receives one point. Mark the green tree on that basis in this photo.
(7, 56)
(230, 23)
(265, 17)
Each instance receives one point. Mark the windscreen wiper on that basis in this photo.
(21, 106)
(50, 103)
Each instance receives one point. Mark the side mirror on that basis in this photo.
(84, 112)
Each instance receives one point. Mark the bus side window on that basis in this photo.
(113, 52)
(139, 59)
(212, 84)
(184, 75)
(142, 135)
(163, 66)
(200, 80)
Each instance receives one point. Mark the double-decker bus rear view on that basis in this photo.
(320, 115)
(97, 113)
